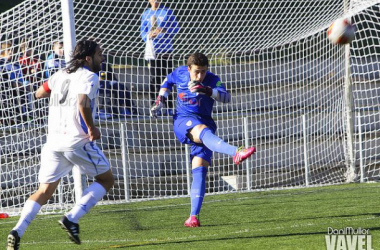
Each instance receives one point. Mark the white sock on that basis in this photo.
(29, 212)
(91, 196)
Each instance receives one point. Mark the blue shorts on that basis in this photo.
(181, 127)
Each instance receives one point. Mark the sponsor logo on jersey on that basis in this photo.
(191, 101)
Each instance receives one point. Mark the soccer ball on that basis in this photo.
(341, 31)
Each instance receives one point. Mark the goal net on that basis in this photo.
(288, 83)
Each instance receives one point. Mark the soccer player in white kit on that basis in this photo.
(70, 141)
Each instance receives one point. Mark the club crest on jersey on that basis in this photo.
(188, 123)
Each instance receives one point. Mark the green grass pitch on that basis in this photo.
(287, 219)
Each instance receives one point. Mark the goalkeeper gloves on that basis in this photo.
(197, 87)
(159, 104)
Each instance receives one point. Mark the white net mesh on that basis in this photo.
(365, 74)
(286, 80)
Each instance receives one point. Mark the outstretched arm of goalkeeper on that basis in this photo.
(160, 102)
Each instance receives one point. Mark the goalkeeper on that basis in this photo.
(197, 90)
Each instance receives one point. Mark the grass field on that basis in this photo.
(287, 219)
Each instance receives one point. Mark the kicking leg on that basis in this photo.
(202, 134)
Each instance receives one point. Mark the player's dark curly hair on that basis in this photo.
(198, 59)
(82, 49)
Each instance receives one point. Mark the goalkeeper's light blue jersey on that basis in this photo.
(191, 103)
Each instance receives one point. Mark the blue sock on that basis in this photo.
(216, 144)
(198, 189)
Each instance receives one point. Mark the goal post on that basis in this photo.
(351, 161)
(69, 36)
(295, 96)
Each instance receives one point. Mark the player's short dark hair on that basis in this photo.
(82, 49)
(198, 59)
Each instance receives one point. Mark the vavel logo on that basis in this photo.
(348, 239)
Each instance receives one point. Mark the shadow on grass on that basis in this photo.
(266, 200)
(276, 220)
(163, 243)
(147, 209)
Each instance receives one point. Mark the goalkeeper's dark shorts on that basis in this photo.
(183, 124)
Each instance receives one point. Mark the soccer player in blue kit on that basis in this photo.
(197, 89)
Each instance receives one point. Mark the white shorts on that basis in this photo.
(89, 159)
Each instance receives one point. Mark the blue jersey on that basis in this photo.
(164, 19)
(53, 64)
(192, 103)
(11, 71)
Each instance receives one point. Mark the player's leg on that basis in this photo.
(201, 158)
(192, 129)
(91, 161)
(198, 186)
(53, 167)
(203, 134)
(91, 195)
(31, 208)
(154, 79)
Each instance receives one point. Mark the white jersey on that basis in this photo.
(66, 127)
